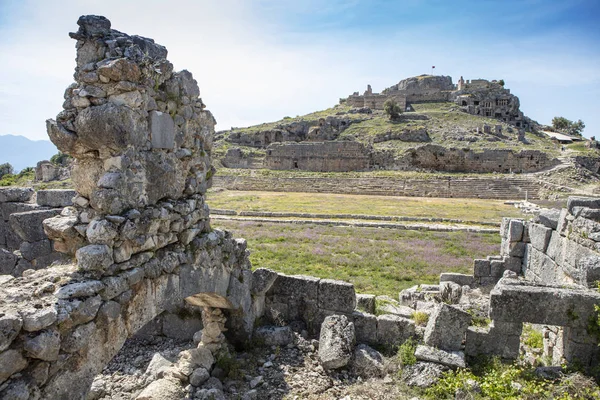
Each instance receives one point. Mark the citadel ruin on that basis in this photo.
(84, 270)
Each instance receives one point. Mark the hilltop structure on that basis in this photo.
(476, 97)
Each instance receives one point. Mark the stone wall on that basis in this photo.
(439, 158)
(501, 187)
(318, 156)
(23, 242)
(138, 233)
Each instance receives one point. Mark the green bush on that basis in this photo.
(392, 109)
(420, 318)
(406, 353)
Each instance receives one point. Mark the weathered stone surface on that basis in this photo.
(158, 366)
(15, 194)
(94, 257)
(37, 319)
(32, 250)
(589, 202)
(393, 330)
(515, 230)
(452, 359)
(162, 389)
(44, 346)
(199, 376)
(365, 327)
(461, 279)
(549, 218)
(262, 280)
(7, 261)
(539, 236)
(422, 374)
(336, 296)
(181, 327)
(101, 232)
(120, 69)
(28, 225)
(274, 335)
(446, 327)
(11, 362)
(10, 325)
(500, 339)
(80, 289)
(365, 302)
(55, 197)
(367, 362)
(336, 341)
(162, 130)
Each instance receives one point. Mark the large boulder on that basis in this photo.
(367, 362)
(336, 341)
(446, 327)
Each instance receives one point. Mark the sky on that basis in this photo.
(260, 60)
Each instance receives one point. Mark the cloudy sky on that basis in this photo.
(261, 60)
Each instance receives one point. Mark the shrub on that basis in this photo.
(6, 169)
(406, 352)
(420, 318)
(60, 158)
(392, 109)
(533, 338)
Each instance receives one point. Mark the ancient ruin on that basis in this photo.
(138, 244)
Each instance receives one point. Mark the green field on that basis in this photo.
(377, 261)
(464, 209)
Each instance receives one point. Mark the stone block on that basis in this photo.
(393, 330)
(563, 222)
(15, 194)
(336, 341)
(516, 249)
(539, 236)
(549, 218)
(3, 228)
(491, 342)
(555, 247)
(262, 280)
(296, 286)
(94, 257)
(10, 326)
(496, 268)
(8, 261)
(481, 268)
(180, 327)
(11, 208)
(336, 296)
(446, 327)
(461, 279)
(515, 301)
(55, 198)
(515, 230)
(589, 202)
(589, 269)
(274, 335)
(28, 225)
(31, 251)
(452, 359)
(366, 303)
(162, 130)
(365, 327)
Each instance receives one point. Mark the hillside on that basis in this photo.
(21, 152)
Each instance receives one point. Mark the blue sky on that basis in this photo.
(258, 61)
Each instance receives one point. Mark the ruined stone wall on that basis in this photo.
(509, 188)
(138, 232)
(23, 243)
(318, 156)
(375, 101)
(439, 158)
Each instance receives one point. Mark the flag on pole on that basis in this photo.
(433, 67)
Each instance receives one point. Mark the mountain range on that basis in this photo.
(21, 152)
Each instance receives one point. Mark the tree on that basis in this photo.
(562, 124)
(6, 169)
(501, 82)
(60, 158)
(392, 109)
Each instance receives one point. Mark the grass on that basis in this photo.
(322, 203)
(377, 261)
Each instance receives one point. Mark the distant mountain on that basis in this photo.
(21, 152)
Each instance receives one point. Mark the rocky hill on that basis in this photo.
(21, 152)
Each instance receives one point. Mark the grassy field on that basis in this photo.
(378, 261)
(465, 209)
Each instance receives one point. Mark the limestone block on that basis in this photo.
(539, 236)
(365, 327)
(11, 362)
(587, 213)
(44, 346)
(120, 69)
(162, 389)
(497, 268)
(367, 362)
(94, 257)
(55, 197)
(31, 251)
(481, 268)
(589, 202)
(336, 296)
(180, 327)
(10, 325)
(101, 232)
(296, 286)
(158, 366)
(162, 130)
(452, 359)
(515, 230)
(512, 301)
(541, 269)
(262, 280)
(131, 99)
(446, 327)
(393, 330)
(336, 341)
(15, 194)
(490, 342)
(365, 302)
(461, 279)
(188, 85)
(274, 335)
(113, 286)
(199, 376)
(79, 289)
(28, 225)
(549, 218)
(37, 319)
(563, 221)
(589, 268)
(7, 262)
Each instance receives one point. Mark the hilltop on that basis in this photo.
(21, 152)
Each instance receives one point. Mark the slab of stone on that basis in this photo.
(158, 366)
(296, 286)
(336, 341)
(11, 362)
(589, 202)
(55, 198)
(365, 327)
(367, 362)
(15, 194)
(28, 225)
(481, 268)
(515, 230)
(446, 327)
(365, 302)
(94, 257)
(162, 129)
(274, 335)
(336, 296)
(393, 330)
(162, 389)
(7, 262)
(35, 319)
(452, 359)
(461, 279)
(262, 280)
(32, 250)
(539, 236)
(44, 346)
(10, 326)
(79, 289)
(422, 374)
(549, 217)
